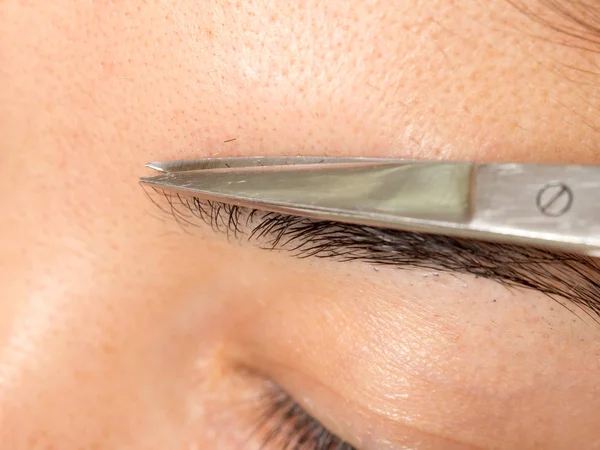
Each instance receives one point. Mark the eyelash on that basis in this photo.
(285, 423)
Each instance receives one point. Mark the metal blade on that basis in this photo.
(258, 161)
(376, 193)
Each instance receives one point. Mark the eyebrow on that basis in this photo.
(576, 19)
(572, 280)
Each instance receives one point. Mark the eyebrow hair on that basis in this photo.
(579, 19)
(570, 279)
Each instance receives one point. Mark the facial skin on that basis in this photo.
(120, 330)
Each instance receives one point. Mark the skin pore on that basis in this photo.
(119, 329)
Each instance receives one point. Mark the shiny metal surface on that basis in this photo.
(541, 205)
(255, 161)
(374, 192)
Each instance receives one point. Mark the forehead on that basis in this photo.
(445, 79)
(429, 79)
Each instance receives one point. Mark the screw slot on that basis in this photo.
(554, 199)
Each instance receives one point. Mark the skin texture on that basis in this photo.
(118, 330)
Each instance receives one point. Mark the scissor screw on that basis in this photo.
(554, 199)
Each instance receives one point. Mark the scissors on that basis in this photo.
(555, 206)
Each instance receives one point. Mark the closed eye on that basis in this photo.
(285, 425)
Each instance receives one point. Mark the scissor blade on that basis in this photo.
(541, 205)
(375, 193)
(257, 161)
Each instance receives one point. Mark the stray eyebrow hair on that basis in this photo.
(570, 279)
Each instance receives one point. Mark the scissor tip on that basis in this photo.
(158, 166)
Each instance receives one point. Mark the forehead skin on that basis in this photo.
(118, 330)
